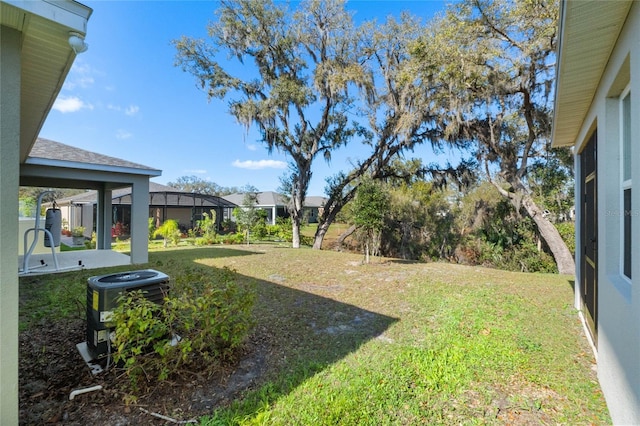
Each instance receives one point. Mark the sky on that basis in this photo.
(125, 98)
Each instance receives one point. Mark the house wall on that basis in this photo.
(180, 214)
(618, 344)
(10, 66)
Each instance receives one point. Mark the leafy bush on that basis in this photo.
(228, 226)
(204, 319)
(169, 231)
(236, 238)
(568, 233)
(207, 225)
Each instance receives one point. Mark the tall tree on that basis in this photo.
(396, 110)
(301, 66)
(495, 60)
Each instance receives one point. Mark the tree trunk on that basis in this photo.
(344, 236)
(296, 231)
(548, 232)
(323, 227)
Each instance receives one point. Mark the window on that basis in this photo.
(625, 159)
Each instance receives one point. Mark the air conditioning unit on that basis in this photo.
(102, 297)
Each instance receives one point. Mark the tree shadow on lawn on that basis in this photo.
(301, 329)
(299, 332)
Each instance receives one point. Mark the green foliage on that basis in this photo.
(298, 69)
(248, 215)
(91, 244)
(27, 207)
(207, 225)
(368, 214)
(496, 235)
(568, 232)
(206, 316)
(152, 228)
(78, 231)
(420, 223)
(169, 231)
(198, 185)
(228, 226)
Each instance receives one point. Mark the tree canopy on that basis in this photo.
(494, 61)
(304, 63)
(201, 186)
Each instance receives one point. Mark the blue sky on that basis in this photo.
(125, 98)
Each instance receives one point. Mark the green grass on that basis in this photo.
(391, 342)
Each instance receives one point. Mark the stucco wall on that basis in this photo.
(618, 346)
(10, 65)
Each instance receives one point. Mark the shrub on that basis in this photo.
(169, 231)
(568, 233)
(91, 244)
(204, 319)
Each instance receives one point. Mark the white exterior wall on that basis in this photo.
(618, 346)
(10, 68)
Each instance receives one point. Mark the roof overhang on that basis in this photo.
(68, 174)
(47, 56)
(588, 33)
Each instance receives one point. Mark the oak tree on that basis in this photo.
(494, 60)
(296, 69)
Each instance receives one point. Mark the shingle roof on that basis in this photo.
(51, 150)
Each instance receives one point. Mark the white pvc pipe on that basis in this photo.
(77, 392)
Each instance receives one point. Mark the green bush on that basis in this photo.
(204, 319)
(568, 233)
(236, 238)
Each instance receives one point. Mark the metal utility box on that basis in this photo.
(102, 297)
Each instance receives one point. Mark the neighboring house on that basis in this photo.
(597, 112)
(165, 203)
(275, 205)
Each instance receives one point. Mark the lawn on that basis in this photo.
(392, 342)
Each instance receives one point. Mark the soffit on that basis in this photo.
(46, 56)
(588, 33)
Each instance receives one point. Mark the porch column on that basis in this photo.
(274, 214)
(140, 221)
(10, 64)
(104, 219)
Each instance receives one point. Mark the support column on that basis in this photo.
(104, 219)
(140, 221)
(10, 64)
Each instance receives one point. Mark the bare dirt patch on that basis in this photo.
(51, 368)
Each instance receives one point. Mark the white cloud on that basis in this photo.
(196, 171)
(260, 164)
(132, 110)
(252, 147)
(81, 75)
(66, 104)
(123, 134)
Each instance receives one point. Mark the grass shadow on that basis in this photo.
(301, 329)
(299, 332)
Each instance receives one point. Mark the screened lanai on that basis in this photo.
(165, 203)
